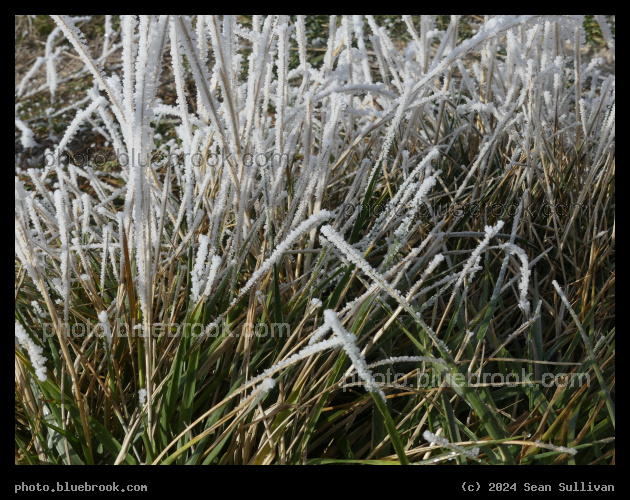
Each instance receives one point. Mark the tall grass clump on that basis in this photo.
(234, 247)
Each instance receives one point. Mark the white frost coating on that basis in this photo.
(313, 220)
(472, 265)
(27, 139)
(523, 285)
(406, 359)
(199, 267)
(215, 262)
(355, 258)
(418, 199)
(266, 385)
(65, 250)
(561, 449)
(316, 303)
(349, 345)
(304, 353)
(234, 218)
(319, 333)
(445, 443)
(142, 396)
(102, 318)
(432, 265)
(34, 352)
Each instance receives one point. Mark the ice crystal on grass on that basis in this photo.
(34, 352)
(142, 397)
(349, 345)
(561, 449)
(445, 443)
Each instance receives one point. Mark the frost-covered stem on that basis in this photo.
(356, 259)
